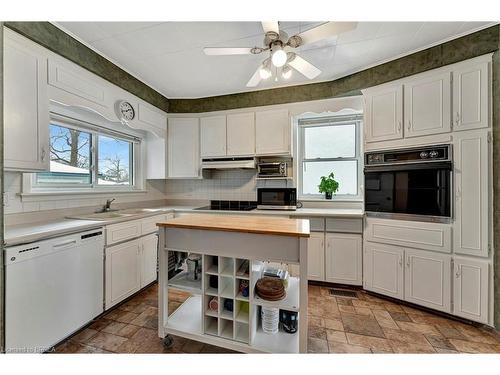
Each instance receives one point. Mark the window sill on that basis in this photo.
(34, 196)
(324, 200)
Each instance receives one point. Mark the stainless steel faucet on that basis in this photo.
(107, 206)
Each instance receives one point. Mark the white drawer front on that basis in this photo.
(344, 225)
(123, 231)
(427, 236)
(148, 225)
(316, 224)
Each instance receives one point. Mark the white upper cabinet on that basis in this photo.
(343, 258)
(272, 132)
(470, 289)
(26, 106)
(316, 256)
(471, 163)
(470, 96)
(428, 279)
(427, 104)
(213, 136)
(384, 113)
(151, 116)
(183, 145)
(383, 269)
(240, 134)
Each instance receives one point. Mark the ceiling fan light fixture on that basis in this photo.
(278, 56)
(265, 72)
(286, 73)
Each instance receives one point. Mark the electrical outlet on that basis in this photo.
(6, 199)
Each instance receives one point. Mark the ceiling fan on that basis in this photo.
(281, 48)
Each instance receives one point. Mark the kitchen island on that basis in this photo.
(233, 251)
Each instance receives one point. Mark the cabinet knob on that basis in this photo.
(457, 272)
(408, 262)
(401, 261)
(457, 120)
(399, 126)
(409, 125)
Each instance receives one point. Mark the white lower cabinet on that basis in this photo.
(470, 289)
(123, 276)
(316, 256)
(343, 258)
(149, 259)
(130, 266)
(383, 269)
(428, 279)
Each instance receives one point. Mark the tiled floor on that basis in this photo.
(366, 324)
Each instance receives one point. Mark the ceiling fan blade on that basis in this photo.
(219, 51)
(326, 30)
(304, 67)
(255, 80)
(271, 26)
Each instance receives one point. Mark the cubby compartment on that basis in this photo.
(179, 275)
(211, 324)
(242, 289)
(211, 264)
(226, 308)
(226, 329)
(242, 268)
(226, 286)
(211, 285)
(241, 311)
(226, 266)
(208, 310)
(241, 332)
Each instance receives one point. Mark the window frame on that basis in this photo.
(135, 158)
(339, 120)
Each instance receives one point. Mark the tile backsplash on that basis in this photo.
(232, 184)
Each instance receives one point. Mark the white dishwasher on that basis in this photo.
(53, 288)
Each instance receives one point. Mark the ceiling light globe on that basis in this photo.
(265, 72)
(286, 73)
(279, 58)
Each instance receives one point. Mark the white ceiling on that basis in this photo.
(168, 56)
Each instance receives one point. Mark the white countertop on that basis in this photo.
(26, 233)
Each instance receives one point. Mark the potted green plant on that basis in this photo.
(328, 185)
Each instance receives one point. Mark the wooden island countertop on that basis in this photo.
(230, 223)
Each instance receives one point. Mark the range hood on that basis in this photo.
(228, 163)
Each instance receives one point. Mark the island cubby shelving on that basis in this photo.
(220, 313)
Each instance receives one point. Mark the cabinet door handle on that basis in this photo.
(457, 119)
(459, 193)
(408, 262)
(399, 126)
(401, 261)
(457, 272)
(409, 125)
(42, 153)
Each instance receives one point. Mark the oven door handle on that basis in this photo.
(409, 167)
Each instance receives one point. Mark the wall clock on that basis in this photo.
(124, 110)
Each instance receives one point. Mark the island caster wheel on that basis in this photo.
(168, 341)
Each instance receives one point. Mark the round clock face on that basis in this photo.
(126, 111)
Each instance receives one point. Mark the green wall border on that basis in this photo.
(466, 47)
(56, 40)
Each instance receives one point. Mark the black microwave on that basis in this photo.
(277, 199)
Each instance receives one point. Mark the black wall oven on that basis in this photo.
(411, 183)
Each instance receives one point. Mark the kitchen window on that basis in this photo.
(88, 158)
(330, 144)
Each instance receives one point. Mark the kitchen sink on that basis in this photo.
(103, 216)
(135, 211)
